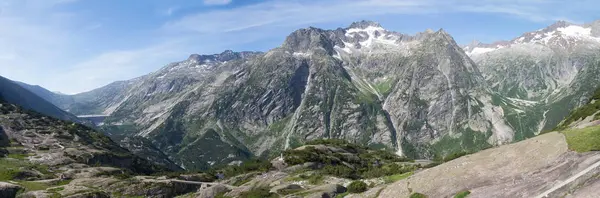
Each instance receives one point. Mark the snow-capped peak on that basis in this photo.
(576, 31)
(570, 33)
(366, 34)
(369, 29)
(561, 35)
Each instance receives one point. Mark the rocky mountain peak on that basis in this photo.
(556, 25)
(364, 24)
(194, 57)
(444, 34)
(226, 55)
(307, 39)
(560, 35)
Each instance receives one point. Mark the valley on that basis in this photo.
(359, 111)
(422, 96)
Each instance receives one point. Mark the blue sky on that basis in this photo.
(73, 46)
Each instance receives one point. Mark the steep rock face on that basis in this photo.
(431, 92)
(554, 69)
(419, 95)
(158, 107)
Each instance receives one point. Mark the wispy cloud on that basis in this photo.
(32, 42)
(115, 65)
(289, 13)
(294, 13)
(43, 43)
(217, 2)
(169, 11)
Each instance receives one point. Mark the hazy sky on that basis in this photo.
(73, 46)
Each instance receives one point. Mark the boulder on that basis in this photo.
(158, 188)
(93, 194)
(327, 191)
(202, 177)
(307, 165)
(282, 189)
(212, 191)
(9, 190)
(236, 192)
(28, 175)
(36, 194)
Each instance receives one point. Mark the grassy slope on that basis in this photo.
(589, 109)
(583, 140)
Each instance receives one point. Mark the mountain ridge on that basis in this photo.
(554, 67)
(320, 83)
(14, 93)
(420, 95)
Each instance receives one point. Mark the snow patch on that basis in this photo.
(572, 32)
(301, 54)
(480, 50)
(523, 102)
(542, 123)
(370, 29)
(575, 31)
(373, 34)
(337, 53)
(162, 76)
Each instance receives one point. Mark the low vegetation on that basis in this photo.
(583, 140)
(417, 195)
(311, 178)
(10, 168)
(396, 177)
(350, 160)
(258, 192)
(462, 194)
(14, 169)
(454, 156)
(342, 195)
(592, 107)
(254, 165)
(357, 187)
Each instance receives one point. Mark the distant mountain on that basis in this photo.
(26, 96)
(584, 116)
(65, 141)
(14, 93)
(419, 95)
(556, 68)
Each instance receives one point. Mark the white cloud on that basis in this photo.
(217, 2)
(113, 66)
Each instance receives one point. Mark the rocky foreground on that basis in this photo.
(46, 157)
(541, 166)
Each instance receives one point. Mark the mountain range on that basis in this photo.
(421, 96)
(16, 93)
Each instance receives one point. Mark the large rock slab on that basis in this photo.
(327, 191)
(522, 169)
(9, 190)
(212, 191)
